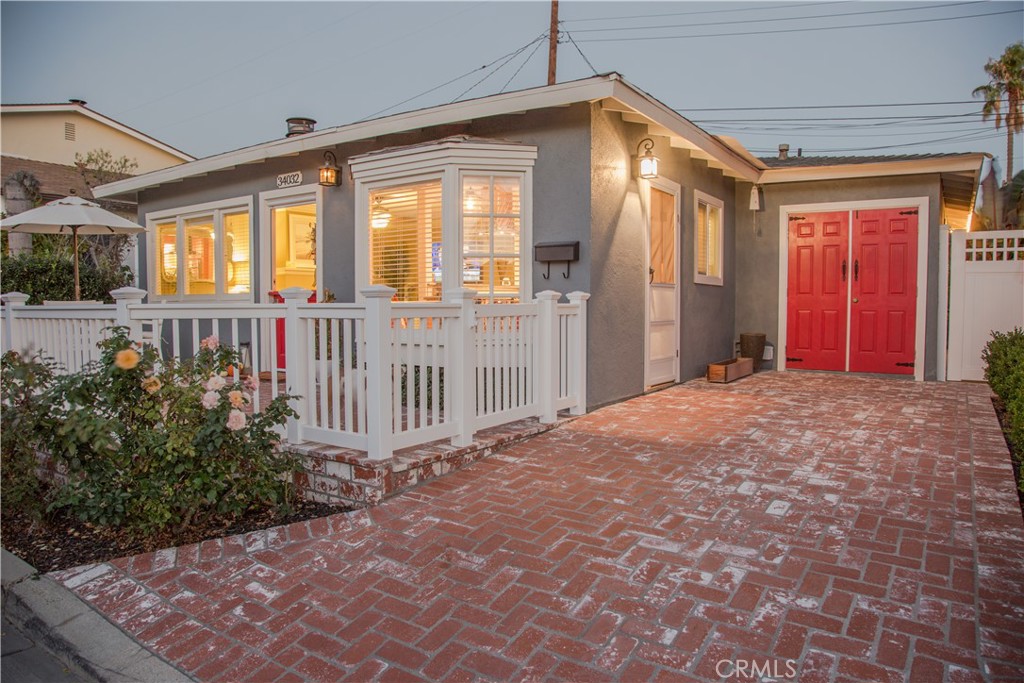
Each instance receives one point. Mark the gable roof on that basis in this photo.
(78, 107)
(802, 161)
(610, 90)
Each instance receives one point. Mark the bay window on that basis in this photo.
(201, 252)
(437, 216)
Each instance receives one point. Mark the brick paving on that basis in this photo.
(829, 528)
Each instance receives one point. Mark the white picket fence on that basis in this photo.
(375, 377)
(986, 294)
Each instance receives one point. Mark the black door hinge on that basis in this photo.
(909, 213)
(797, 218)
(904, 365)
(794, 360)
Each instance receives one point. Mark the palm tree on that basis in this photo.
(1005, 86)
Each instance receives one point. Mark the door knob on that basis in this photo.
(855, 299)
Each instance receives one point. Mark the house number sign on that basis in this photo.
(289, 179)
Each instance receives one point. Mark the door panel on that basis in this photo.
(817, 301)
(884, 291)
(661, 364)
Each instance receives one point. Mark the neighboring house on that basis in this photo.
(539, 189)
(40, 141)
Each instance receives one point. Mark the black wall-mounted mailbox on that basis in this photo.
(556, 252)
(546, 252)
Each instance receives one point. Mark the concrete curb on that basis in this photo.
(59, 620)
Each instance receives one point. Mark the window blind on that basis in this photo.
(405, 240)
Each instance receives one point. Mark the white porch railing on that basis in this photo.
(375, 377)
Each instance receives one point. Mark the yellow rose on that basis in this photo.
(151, 384)
(126, 359)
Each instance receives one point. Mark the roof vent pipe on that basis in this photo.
(79, 102)
(299, 125)
(783, 152)
(799, 151)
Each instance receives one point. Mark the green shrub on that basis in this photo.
(23, 416)
(1004, 371)
(52, 278)
(149, 445)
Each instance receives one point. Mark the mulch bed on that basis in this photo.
(62, 541)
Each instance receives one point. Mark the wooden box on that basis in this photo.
(728, 370)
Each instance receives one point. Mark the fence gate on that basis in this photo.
(986, 294)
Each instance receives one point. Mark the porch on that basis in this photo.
(386, 394)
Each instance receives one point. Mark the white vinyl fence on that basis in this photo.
(375, 377)
(986, 294)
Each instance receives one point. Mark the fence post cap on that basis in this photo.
(577, 296)
(300, 293)
(460, 294)
(378, 292)
(128, 293)
(16, 298)
(548, 295)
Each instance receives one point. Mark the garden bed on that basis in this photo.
(63, 541)
(1015, 457)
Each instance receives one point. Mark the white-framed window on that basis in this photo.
(708, 237)
(453, 213)
(201, 252)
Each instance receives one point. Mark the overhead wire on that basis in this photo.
(801, 30)
(500, 66)
(917, 8)
(571, 40)
(710, 11)
(525, 62)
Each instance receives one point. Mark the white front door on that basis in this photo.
(661, 362)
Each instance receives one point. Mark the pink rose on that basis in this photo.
(210, 399)
(237, 398)
(210, 343)
(236, 420)
(215, 383)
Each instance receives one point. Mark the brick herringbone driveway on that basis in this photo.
(806, 526)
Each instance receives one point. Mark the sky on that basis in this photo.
(824, 77)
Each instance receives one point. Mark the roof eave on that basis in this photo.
(952, 164)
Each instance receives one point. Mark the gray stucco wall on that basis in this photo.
(618, 277)
(757, 246)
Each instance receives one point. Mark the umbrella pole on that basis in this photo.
(74, 236)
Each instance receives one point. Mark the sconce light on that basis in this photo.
(648, 162)
(380, 218)
(329, 175)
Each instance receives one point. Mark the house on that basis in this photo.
(39, 145)
(541, 189)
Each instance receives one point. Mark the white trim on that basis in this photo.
(311, 193)
(180, 215)
(923, 235)
(676, 190)
(948, 164)
(698, 198)
(943, 311)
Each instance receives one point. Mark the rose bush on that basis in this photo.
(150, 445)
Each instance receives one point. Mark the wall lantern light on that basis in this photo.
(380, 217)
(329, 175)
(648, 162)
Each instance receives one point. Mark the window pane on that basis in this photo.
(506, 195)
(702, 238)
(506, 236)
(236, 253)
(476, 236)
(663, 234)
(506, 280)
(167, 258)
(714, 241)
(199, 238)
(476, 195)
(293, 234)
(405, 240)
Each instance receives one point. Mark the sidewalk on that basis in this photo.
(849, 528)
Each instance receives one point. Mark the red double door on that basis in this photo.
(852, 295)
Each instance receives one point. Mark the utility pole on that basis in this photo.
(553, 43)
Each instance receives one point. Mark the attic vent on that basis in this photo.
(69, 131)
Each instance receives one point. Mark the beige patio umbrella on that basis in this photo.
(74, 216)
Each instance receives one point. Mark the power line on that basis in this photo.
(831, 106)
(845, 118)
(963, 138)
(569, 36)
(800, 30)
(500, 66)
(536, 47)
(761, 21)
(710, 11)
